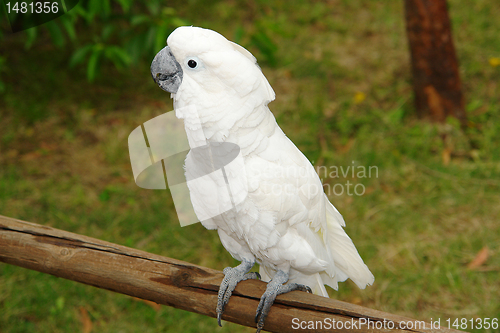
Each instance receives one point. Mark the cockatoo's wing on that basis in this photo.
(293, 189)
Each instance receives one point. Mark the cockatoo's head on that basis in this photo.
(201, 64)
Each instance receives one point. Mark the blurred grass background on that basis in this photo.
(341, 74)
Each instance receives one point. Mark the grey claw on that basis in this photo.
(232, 276)
(274, 288)
(219, 317)
(304, 288)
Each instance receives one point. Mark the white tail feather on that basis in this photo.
(345, 255)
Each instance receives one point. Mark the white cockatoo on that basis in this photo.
(284, 222)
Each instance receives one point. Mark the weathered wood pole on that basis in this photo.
(183, 285)
(436, 80)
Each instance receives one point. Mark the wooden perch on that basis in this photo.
(180, 284)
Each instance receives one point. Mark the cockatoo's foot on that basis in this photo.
(275, 287)
(232, 276)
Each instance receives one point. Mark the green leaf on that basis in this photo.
(238, 34)
(106, 8)
(107, 31)
(93, 63)
(94, 8)
(161, 37)
(31, 36)
(153, 7)
(79, 55)
(2, 65)
(118, 56)
(55, 33)
(135, 47)
(149, 40)
(125, 4)
(139, 19)
(78, 11)
(167, 11)
(266, 46)
(69, 25)
(177, 22)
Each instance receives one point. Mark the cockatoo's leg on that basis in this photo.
(275, 287)
(233, 275)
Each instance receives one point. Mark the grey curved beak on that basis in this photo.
(166, 71)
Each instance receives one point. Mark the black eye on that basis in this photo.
(192, 63)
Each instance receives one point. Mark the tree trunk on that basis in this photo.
(436, 81)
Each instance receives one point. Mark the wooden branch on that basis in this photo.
(436, 80)
(179, 284)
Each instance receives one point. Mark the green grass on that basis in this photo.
(64, 162)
